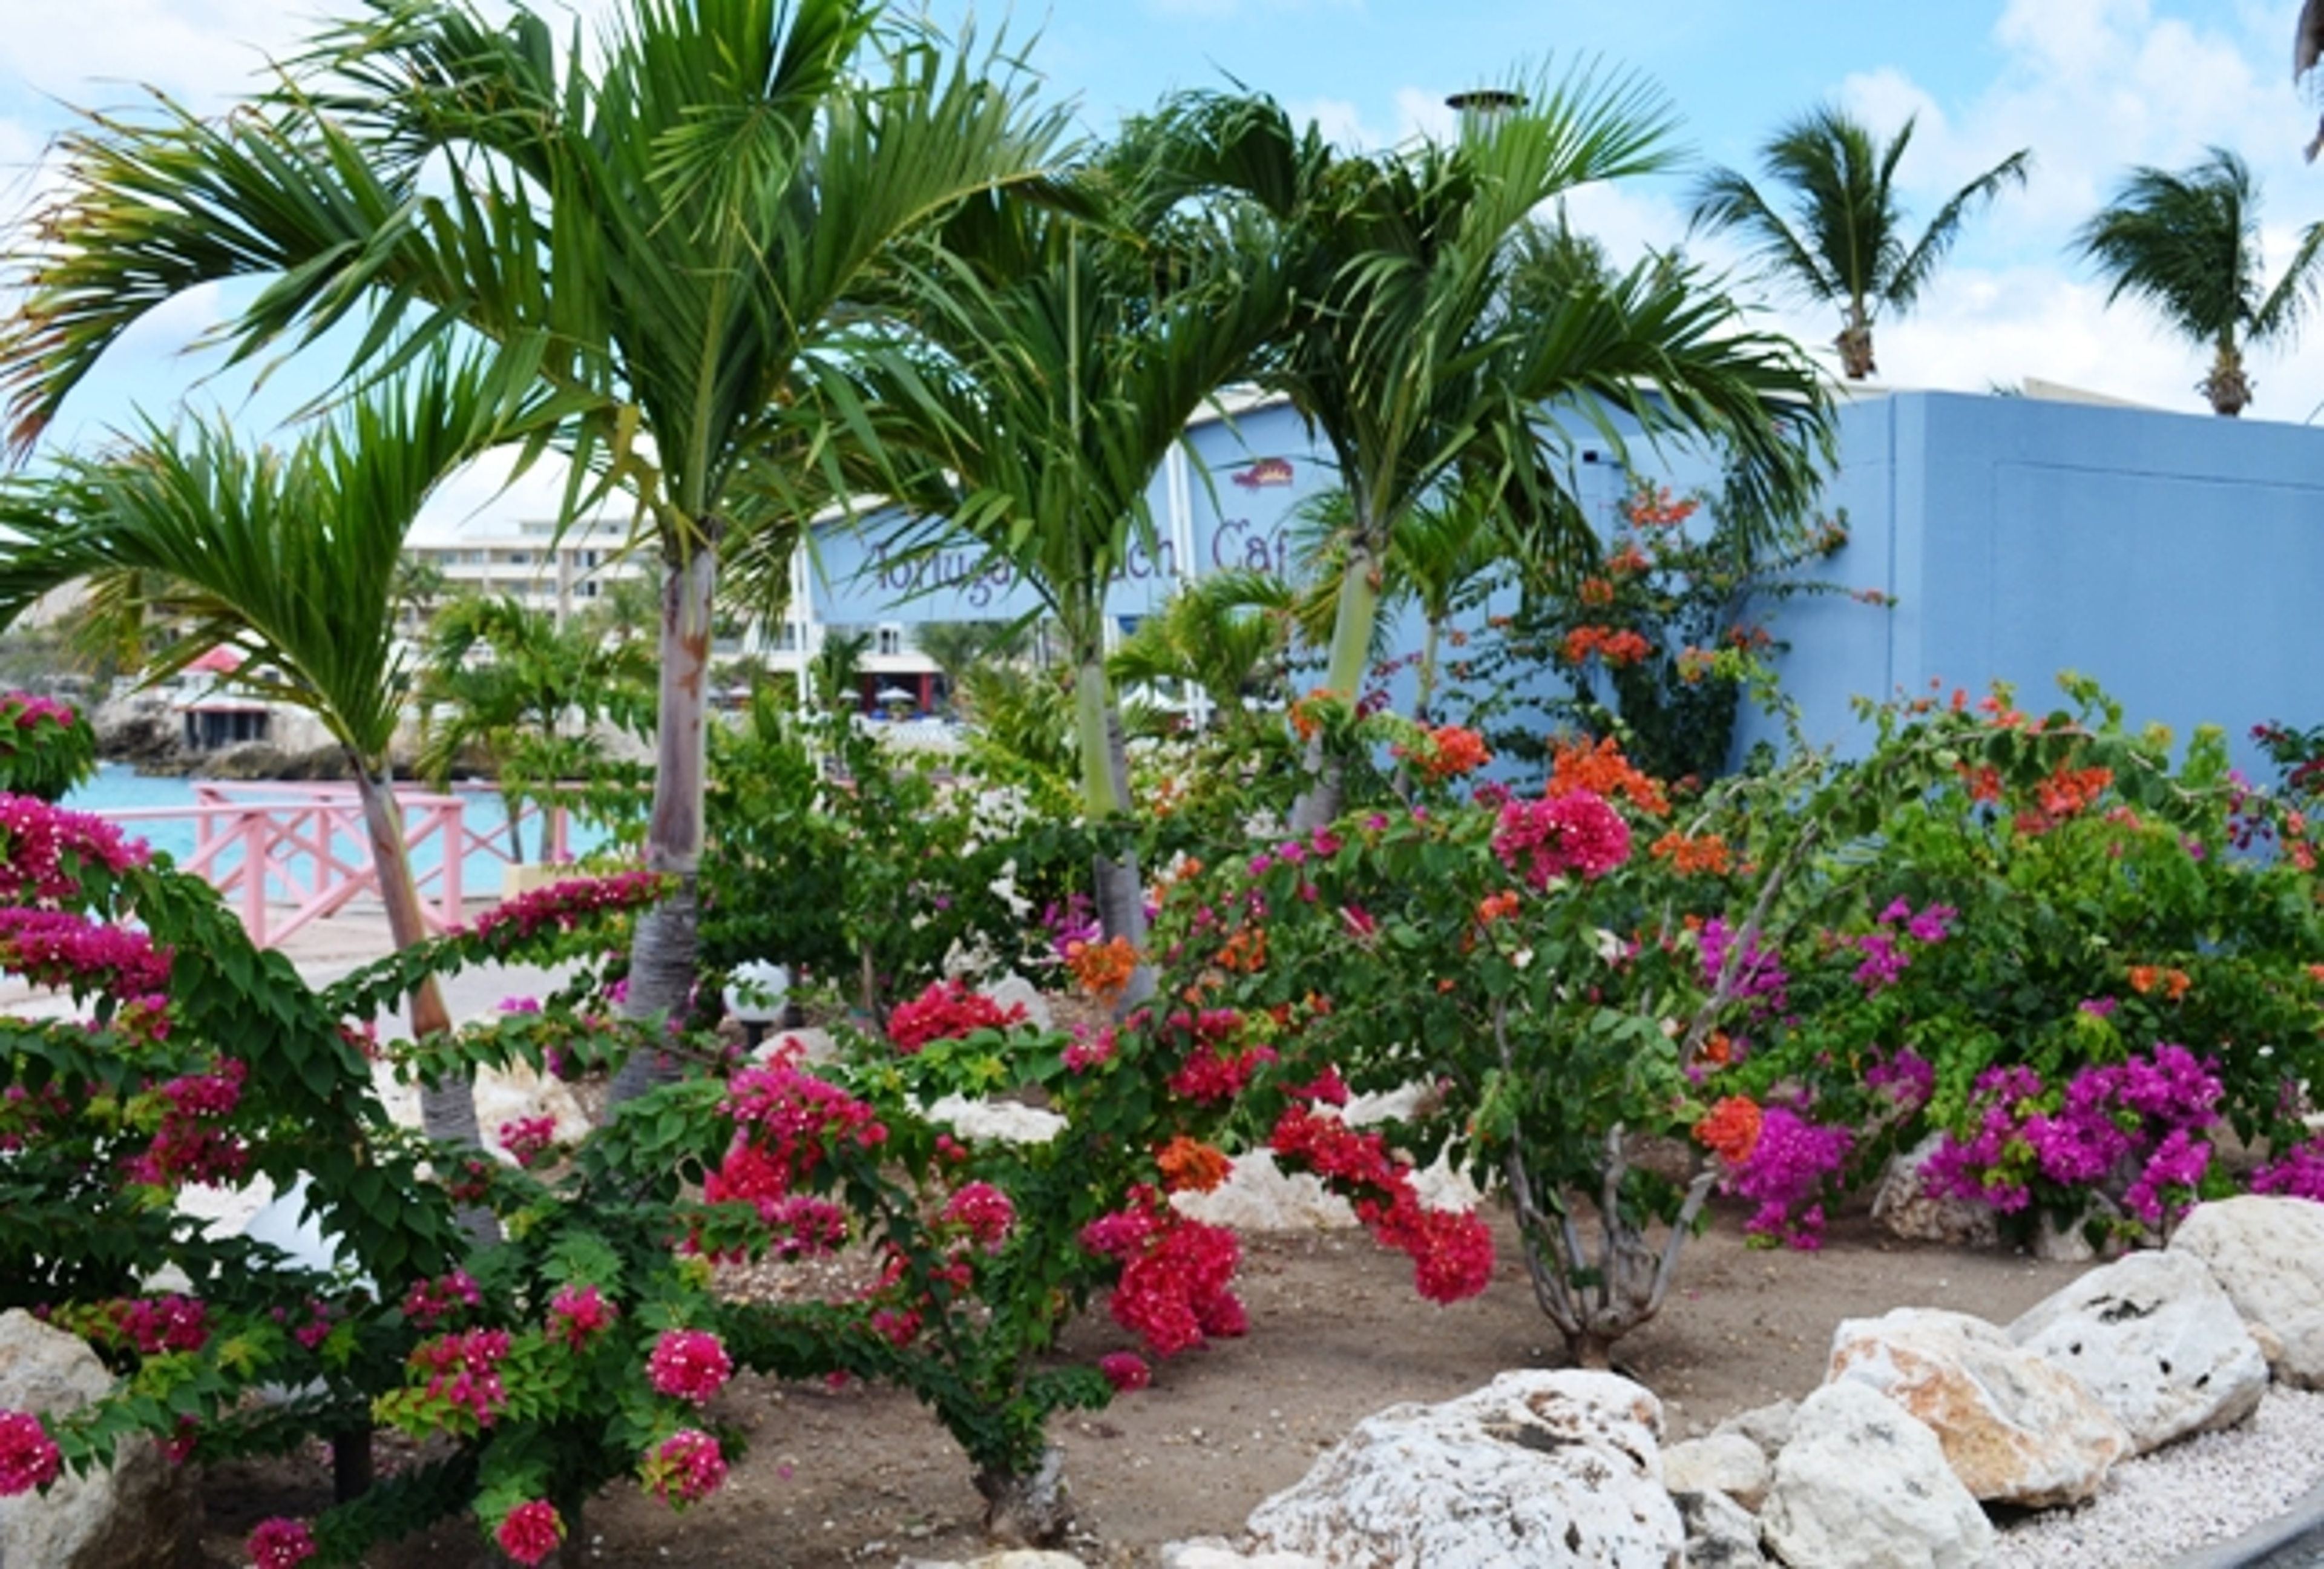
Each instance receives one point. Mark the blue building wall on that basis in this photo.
(2177, 558)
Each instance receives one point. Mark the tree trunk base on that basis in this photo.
(1033, 1510)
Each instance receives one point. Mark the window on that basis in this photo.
(891, 640)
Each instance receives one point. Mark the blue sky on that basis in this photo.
(2092, 86)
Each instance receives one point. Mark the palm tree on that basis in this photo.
(1052, 364)
(1420, 354)
(671, 218)
(959, 646)
(1450, 543)
(504, 679)
(1844, 241)
(1228, 635)
(2307, 47)
(2189, 244)
(291, 557)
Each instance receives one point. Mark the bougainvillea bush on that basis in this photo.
(585, 1343)
(2079, 954)
(1635, 647)
(1514, 955)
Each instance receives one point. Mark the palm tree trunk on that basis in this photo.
(448, 1110)
(2227, 388)
(1425, 681)
(1351, 645)
(1855, 344)
(662, 953)
(1105, 797)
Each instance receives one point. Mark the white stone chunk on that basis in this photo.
(1539, 1470)
(1863, 1484)
(1724, 1463)
(2015, 1428)
(2267, 1253)
(138, 1515)
(2157, 1342)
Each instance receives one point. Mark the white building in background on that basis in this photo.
(528, 562)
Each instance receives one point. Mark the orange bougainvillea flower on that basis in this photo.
(2175, 983)
(1718, 1051)
(1653, 507)
(2142, 978)
(1190, 1166)
(1984, 783)
(1496, 906)
(2067, 790)
(1245, 951)
(1707, 852)
(1447, 751)
(1102, 969)
(1306, 718)
(1603, 770)
(1731, 1130)
(1458, 752)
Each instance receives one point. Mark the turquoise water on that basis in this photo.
(118, 789)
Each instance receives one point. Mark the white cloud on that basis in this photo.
(1342, 122)
(200, 50)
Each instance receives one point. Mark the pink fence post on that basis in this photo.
(455, 838)
(257, 833)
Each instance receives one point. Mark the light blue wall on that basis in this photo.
(2178, 559)
(1228, 511)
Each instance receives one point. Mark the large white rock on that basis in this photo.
(1724, 1463)
(138, 1515)
(1537, 1468)
(2157, 1342)
(1904, 1207)
(2267, 1254)
(1864, 1485)
(2015, 1428)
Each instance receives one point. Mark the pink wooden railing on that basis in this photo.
(303, 854)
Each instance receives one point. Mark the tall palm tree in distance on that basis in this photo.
(2307, 47)
(1844, 240)
(2189, 244)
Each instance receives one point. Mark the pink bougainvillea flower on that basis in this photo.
(1125, 1370)
(28, 1458)
(281, 1543)
(690, 1364)
(530, 1531)
(983, 1211)
(684, 1468)
(579, 1314)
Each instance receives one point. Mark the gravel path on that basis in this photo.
(2205, 1489)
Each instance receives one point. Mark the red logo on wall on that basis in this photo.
(1266, 472)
